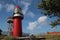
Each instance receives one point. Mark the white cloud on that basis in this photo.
(9, 7)
(27, 1)
(42, 19)
(32, 25)
(31, 14)
(26, 5)
(36, 24)
(1, 6)
(14, 1)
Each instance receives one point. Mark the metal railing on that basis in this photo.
(29, 38)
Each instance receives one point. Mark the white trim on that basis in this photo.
(17, 15)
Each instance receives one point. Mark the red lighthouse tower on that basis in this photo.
(17, 22)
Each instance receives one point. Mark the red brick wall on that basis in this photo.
(53, 33)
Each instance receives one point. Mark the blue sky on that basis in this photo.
(34, 21)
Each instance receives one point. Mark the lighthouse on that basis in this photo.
(17, 22)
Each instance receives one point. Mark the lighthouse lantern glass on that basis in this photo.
(17, 10)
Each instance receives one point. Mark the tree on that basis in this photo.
(52, 9)
(0, 32)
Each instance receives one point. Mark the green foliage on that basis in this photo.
(9, 38)
(53, 24)
(0, 32)
(53, 37)
(52, 6)
(52, 9)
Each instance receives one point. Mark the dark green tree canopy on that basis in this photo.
(0, 32)
(52, 9)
